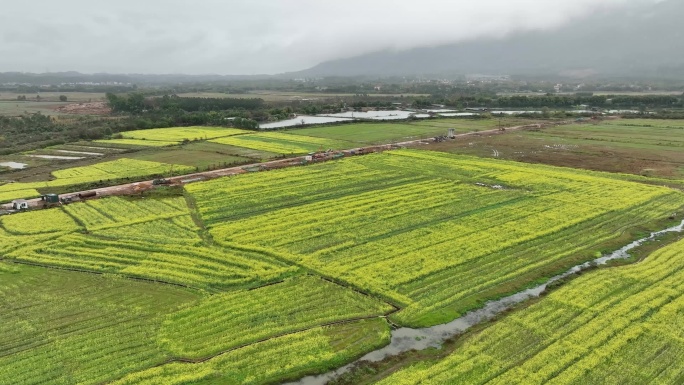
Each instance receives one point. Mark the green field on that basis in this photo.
(147, 239)
(282, 143)
(616, 326)
(522, 223)
(200, 155)
(279, 359)
(189, 157)
(118, 169)
(264, 278)
(136, 142)
(280, 96)
(372, 133)
(54, 96)
(380, 133)
(179, 134)
(471, 124)
(63, 327)
(221, 305)
(15, 108)
(647, 147)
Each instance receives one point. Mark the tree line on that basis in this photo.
(136, 103)
(557, 101)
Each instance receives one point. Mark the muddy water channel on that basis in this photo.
(406, 339)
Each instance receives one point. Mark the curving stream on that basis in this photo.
(406, 339)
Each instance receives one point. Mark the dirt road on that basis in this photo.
(139, 187)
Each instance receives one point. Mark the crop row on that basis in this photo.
(114, 211)
(499, 273)
(194, 265)
(233, 319)
(620, 325)
(12, 192)
(136, 142)
(116, 169)
(153, 239)
(179, 134)
(488, 223)
(234, 198)
(67, 327)
(281, 143)
(275, 360)
(63, 328)
(37, 222)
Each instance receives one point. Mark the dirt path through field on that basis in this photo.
(139, 187)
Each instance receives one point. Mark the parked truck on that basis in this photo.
(50, 200)
(87, 194)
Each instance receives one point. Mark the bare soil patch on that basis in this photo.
(94, 108)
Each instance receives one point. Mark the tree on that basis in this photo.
(246, 123)
(62, 98)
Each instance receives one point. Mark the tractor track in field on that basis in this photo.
(195, 361)
(73, 269)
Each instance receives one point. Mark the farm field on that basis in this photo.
(496, 226)
(221, 307)
(155, 239)
(282, 143)
(199, 155)
(620, 326)
(279, 96)
(54, 96)
(264, 278)
(136, 142)
(469, 124)
(117, 169)
(166, 136)
(647, 147)
(89, 329)
(380, 133)
(15, 108)
(372, 133)
(64, 327)
(11, 193)
(279, 359)
(196, 156)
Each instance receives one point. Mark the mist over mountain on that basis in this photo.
(639, 41)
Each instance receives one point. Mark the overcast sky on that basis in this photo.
(254, 36)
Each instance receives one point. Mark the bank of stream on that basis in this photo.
(407, 339)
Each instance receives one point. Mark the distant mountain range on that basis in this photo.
(77, 77)
(636, 41)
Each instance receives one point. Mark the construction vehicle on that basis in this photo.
(50, 200)
(20, 204)
(87, 194)
(67, 199)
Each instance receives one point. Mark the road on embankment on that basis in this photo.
(139, 187)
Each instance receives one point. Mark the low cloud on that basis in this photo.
(255, 36)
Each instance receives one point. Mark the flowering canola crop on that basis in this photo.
(436, 234)
(620, 325)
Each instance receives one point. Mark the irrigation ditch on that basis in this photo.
(407, 339)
